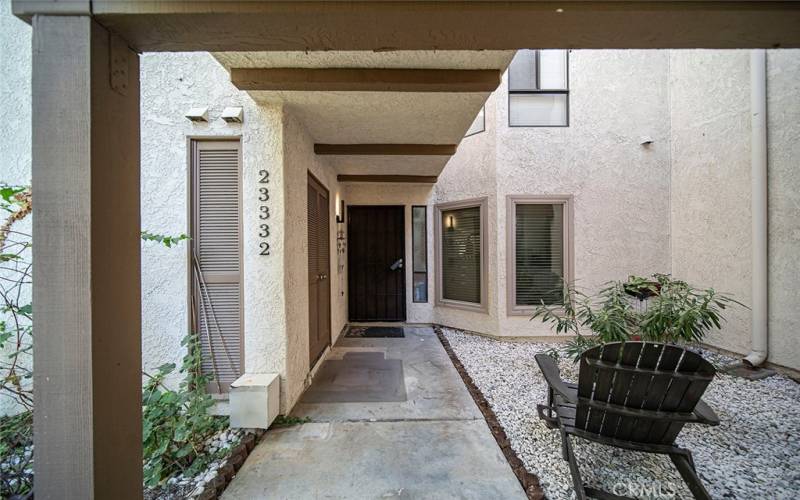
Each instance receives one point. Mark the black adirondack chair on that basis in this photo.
(632, 395)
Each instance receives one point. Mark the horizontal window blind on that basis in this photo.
(539, 259)
(461, 254)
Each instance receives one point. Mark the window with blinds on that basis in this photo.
(461, 247)
(216, 259)
(540, 249)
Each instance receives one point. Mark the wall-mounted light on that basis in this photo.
(340, 212)
(198, 115)
(645, 140)
(233, 114)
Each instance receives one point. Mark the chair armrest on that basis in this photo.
(553, 377)
(704, 414)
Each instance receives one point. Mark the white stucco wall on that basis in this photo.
(783, 126)
(711, 211)
(299, 160)
(275, 287)
(710, 116)
(171, 84)
(470, 174)
(15, 128)
(620, 188)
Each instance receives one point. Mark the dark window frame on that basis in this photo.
(414, 271)
(483, 305)
(539, 91)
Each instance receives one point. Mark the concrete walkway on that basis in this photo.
(391, 418)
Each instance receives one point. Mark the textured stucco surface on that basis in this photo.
(710, 116)
(15, 97)
(171, 85)
(15, 125)
(711, 207)
(471, 173)
(783, 125)
(299, 160)
(620, 188)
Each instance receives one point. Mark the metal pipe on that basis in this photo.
(758, 167)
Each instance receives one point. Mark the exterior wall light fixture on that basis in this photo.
(340, 212)
(233, 114)
(198, 115)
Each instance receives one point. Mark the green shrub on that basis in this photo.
(176, 424)
(668, 310)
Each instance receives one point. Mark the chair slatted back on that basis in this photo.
(648, 376)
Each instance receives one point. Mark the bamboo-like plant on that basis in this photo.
(673, 312)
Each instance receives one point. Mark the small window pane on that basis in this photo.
(420, 287)
(553, 69)
(538, 110)
(461, 254)
(479, 124)
(539, 236)
(419, 234)
(522, 71)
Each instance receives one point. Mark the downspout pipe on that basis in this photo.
(758, 167)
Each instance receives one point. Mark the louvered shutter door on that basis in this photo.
(461, 254)
(217, 269)
(539, 236)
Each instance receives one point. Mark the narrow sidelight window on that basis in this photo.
(461, 241)
(419, 233)
(538, 89)
(538, 251)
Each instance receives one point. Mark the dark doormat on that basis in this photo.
(375, 332)
(359, 377)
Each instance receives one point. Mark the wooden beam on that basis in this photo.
(386, 149)
(421, 179)
(366, 79)
(86, 294)
(218, 25)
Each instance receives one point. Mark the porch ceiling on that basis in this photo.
(381, 116)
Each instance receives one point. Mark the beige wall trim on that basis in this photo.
(419, 179)
(440, 301)
(366, 79)
(437, 25)
(512, 201)
(386, 149)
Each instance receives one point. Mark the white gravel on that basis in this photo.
(754, 453)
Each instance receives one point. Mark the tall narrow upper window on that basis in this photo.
(478, 124)
(538, 89)
(419, 234)
(461, 241)
(538, 251)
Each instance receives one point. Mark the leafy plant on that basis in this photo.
(675, 312)
(166, 240)
(176, 424)
(16, 454)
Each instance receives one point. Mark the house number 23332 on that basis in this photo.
(263, 212)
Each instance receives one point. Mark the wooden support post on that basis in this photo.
(86, 291)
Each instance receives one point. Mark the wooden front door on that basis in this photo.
(319, 284)
(375, 261)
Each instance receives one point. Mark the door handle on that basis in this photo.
(398, 264)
